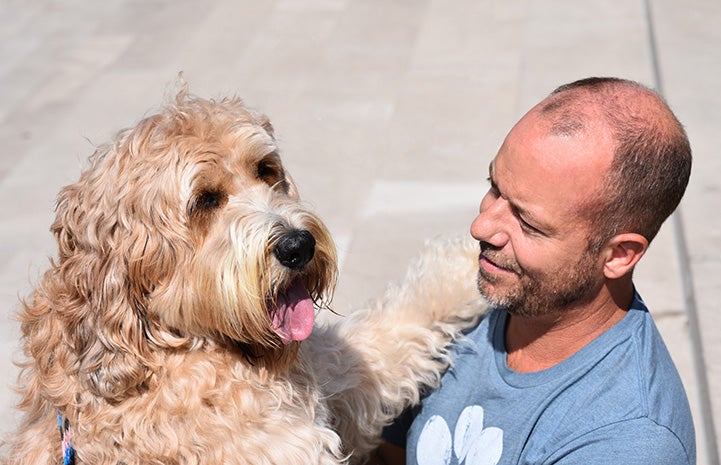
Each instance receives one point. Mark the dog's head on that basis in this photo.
(188, 228)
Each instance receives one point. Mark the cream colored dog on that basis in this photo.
(167, 329)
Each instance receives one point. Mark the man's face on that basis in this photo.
(532, 231)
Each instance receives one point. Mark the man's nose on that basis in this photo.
(490, 225)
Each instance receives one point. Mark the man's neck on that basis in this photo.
(537, 343)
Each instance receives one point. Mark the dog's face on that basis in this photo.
(192, 220)
(258, 257)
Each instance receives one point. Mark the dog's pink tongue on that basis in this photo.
(293, 319)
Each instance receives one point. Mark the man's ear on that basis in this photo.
(623, 251)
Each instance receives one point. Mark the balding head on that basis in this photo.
(652, 158)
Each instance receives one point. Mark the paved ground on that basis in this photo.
(388, 113)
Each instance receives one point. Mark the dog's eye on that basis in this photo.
(269, 172)
(208, 200)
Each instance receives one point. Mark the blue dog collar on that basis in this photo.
(66, 436)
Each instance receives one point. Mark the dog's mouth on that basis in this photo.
(292, 315)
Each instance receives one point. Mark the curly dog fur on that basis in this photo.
(168, 328)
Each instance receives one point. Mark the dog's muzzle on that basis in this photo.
(295, 249)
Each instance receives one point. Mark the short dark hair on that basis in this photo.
(652, 159)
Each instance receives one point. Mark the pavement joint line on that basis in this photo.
(687, 283)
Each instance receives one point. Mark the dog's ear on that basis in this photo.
(109, 261)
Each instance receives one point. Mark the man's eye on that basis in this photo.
(528, 227)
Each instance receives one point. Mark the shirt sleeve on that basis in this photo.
(635, 442)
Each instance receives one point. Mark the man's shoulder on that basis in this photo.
(631, 380)
(664, 398)
(659, 379)
(638, 440)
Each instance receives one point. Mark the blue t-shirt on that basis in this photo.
(619, 400)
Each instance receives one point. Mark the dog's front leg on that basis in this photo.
(379, 360)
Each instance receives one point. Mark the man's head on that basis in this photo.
(579, 187)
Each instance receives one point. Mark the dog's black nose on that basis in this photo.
(295, 249)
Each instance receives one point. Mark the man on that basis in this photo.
(568, 367)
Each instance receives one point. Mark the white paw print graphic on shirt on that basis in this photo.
(471, 443)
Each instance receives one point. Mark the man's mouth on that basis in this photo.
(490, 263)
(489, 266)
